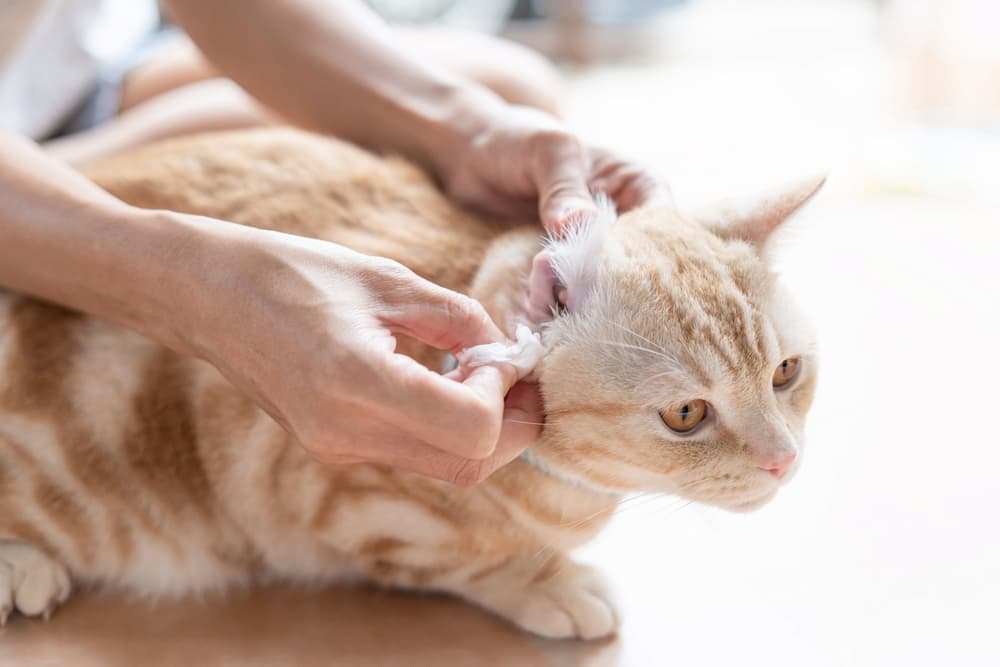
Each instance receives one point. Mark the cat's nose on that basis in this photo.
(780, 465)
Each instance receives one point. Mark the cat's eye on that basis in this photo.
(685, 417)
(785, 372)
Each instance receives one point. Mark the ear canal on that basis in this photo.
(564, 275)
(542, 286)
(754, 221)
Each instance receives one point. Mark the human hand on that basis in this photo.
(520, 161)
(307, 332)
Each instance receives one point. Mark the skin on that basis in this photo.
(305, 327)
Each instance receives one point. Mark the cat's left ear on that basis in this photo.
(754, 220)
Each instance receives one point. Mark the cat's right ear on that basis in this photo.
(756, 219)
(564, 274)
(546, 295)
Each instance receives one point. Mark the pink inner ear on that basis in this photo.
(542, 287)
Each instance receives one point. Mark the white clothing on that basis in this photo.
(52, 51)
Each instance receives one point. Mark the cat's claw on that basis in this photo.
(30, 582)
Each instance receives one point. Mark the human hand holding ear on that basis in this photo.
(522, 162)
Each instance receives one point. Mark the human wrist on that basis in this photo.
(460, 115)
(155, 265)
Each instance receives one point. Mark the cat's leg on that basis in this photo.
(555, 598)
(30, 582)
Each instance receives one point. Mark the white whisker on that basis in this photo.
(624, 328)
(639, 348)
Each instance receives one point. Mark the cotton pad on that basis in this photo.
(523, 354)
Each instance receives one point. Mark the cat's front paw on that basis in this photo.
(562, 600)
(572, 602)
(30, 582)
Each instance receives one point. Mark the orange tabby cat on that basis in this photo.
(674, 363)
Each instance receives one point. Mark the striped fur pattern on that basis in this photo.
(123, 464)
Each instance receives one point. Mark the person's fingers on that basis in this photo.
(628, 183)
(521, 426)
(561, 169)
(434, 315)
(522, 422)
(461, 418)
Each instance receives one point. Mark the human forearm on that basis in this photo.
(301, 326)
(335, 67)
(67, 241)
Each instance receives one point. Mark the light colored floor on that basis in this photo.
(885, 550)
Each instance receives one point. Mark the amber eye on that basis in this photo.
(785, 372)
(684, 417)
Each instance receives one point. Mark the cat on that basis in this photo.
(675, 363)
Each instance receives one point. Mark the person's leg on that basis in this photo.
(215, 104)
(179, 92)
(178, 64)
(512, 71)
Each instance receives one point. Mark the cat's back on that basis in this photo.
(302, 183)
(118, 442)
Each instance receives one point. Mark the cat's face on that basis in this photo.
(679, 364)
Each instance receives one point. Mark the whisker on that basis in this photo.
(677, 508)
(639, 348)
(655, 377)
(638, 335)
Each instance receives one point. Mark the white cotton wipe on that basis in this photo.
(523, 354)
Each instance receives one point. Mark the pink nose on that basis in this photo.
(779, 466)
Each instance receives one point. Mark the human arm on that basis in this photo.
(303, 327)
(335, 67)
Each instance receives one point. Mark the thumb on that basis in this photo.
(561, 177)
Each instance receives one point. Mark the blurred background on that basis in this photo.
(907, 92)
(885, 549)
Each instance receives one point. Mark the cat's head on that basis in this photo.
(676, 361)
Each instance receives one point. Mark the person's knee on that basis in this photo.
(523, 76)
(516, 73)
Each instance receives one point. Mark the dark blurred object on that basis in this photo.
(585, 31)
(580, 31)
(599, 12)
(482, 15)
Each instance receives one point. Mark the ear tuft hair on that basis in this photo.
(575, 256)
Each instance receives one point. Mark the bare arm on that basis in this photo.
(302, 326)
(246, 299)
(333, 66)
(67, 241)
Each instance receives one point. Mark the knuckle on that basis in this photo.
(386, 273)
(554, 141)
(462, 308)
(466, 472)
(328, 451)
(483, 429)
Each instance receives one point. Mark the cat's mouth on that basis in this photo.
(753, 503)
(747, 497)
